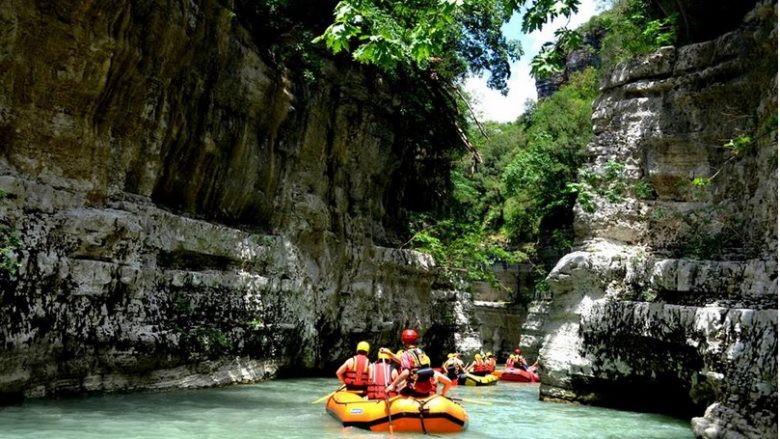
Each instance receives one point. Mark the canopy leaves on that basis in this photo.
(449, 38)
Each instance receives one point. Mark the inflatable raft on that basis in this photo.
(474, 380)
(517, 375)
(434, 414)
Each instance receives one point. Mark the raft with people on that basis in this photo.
(517, 375)
(431, 414)
(469, 379)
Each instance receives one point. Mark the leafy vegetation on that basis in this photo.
(516, 205)
(446, 37)
(629, 28)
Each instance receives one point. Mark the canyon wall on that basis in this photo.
(669, 302)
(187, 211)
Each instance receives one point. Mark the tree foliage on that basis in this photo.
(516, 205)
(449, 37)
(629, 28)
(535, 179)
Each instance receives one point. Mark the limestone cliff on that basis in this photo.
(670, 301)
(190, 212)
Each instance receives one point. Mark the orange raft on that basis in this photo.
(517, 375)
(434, 414)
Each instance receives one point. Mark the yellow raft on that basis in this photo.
(434, 414)
(474, 380)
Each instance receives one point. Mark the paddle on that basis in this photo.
(472, 401)
(387, 397)
(328, 395)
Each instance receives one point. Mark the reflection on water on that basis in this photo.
(283, 409)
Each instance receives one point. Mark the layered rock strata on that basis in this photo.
(188, 214)
(670, 302)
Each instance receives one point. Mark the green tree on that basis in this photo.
(447, 37)
(538, 201)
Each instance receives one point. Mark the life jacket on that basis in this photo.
(421, 376)
(356, 377)
(491, 365)
(381, 378)
(424, 387)
(479, 367)
(451, 367)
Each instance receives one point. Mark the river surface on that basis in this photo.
(283, 409)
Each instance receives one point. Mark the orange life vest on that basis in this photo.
(383, 373)
(356, 377)
(479, 367)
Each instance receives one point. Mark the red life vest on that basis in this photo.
(491, 365)
(479, 367)
(425, 386)
(383, 373)
(356, 376)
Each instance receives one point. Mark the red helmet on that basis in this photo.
(517, 351)
(409, 336)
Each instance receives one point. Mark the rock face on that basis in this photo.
(670, 302)
(189, 215)
(576, 61)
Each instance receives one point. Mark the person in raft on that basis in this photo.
(477, 367)
(454, 366)
(380, 375)
(490, 363)
(517, 360)
(354, 371)
(421, 379)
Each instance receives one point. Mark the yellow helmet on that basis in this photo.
(489, 354)
(383, 356)
(363, 346)
(450, 355)
(477, 356)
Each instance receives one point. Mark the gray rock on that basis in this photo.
(674, 296)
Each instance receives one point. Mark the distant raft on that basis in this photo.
(474, 380)
(517, 375)
(434, 414)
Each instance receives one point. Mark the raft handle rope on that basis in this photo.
(423, 411)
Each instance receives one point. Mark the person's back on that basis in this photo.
(478, 366)
(421, 379)
(354, 373)
(381, 374)
(490, 363)
(451, 366)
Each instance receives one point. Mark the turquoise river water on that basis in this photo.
(283, 409)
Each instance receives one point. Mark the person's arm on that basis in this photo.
(400, 377)
(440, 378)
(392, 355)
(342, 370)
